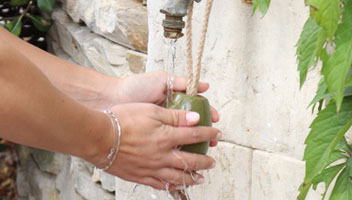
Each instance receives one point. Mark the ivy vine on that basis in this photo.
(327, 37)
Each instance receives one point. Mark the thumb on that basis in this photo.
(179, 117)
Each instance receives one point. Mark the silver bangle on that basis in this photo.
(114, 150)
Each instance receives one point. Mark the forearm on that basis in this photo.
(84, 85)
(34, 113)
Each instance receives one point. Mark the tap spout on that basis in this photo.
(174, 11)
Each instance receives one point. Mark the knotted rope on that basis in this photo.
(193, 78)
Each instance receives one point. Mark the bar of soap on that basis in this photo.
(199, 104)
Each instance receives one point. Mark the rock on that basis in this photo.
(278, 177)
(65, 181)
(89, 49)
(84, 184)
(124, 21)
(136, 61)
(23, 153)
(107, 181)
(41, 184)
(48, 161)
(22, 184)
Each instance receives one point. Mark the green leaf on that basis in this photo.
(46, 5)
(335, 156)
(343, 185)
(326, 13)
(261, 5)
(15, 26)
(322, 93)
(327, 130)
(337, 66)
(41, 23)
(18, 2)
(309, 45)
(326, 176)
(303, 190)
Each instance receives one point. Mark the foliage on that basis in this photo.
(40, 23)
(261, 5)
(327, 37)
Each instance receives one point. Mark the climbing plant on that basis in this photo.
(25, 18)
(327, 37)
(39, 22)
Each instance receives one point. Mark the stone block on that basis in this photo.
(41, 184)
(278, 177)
(23, 153)
(124, 21)
(230, 180)
(66, 179)
(48, 161)
(136, 61)
(21, 182)
(89, 49)
(84, 185)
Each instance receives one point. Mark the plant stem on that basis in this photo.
(23, 13)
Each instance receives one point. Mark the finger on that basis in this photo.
(180, 177)
(213, 143)
(193, 135)
(214, 115)
(189, 161)
(178, 117)
(180, 85)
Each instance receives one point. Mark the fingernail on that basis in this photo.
(213, 165)
(192, 117)
(219, 136)
(200, 181)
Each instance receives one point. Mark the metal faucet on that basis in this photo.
(174, 11)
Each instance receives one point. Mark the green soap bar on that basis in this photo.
(199, 104)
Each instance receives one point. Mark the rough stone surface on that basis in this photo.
(87, 48)
(65, 181)
(230, 179)
(122, 21)
(277, 177)
(84, 184)
(107, 181)
(41, 184)
(22, 184)
(48, 161)
(23, 153)
(136, 61)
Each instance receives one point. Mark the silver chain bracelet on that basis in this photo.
(114, 150)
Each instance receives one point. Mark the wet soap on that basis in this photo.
(199, 104)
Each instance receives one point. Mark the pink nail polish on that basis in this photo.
(213, 165)
(200, 181)
(192, 117)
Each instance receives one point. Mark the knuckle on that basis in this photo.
(196, 135)
(175, 117)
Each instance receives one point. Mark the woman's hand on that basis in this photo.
(148, 153)
(150, 88)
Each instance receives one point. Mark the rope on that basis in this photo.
(189, 48)
(192, 89)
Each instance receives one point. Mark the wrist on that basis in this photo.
(99, 140)
(112, 92)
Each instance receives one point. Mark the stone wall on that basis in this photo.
(251, 65)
